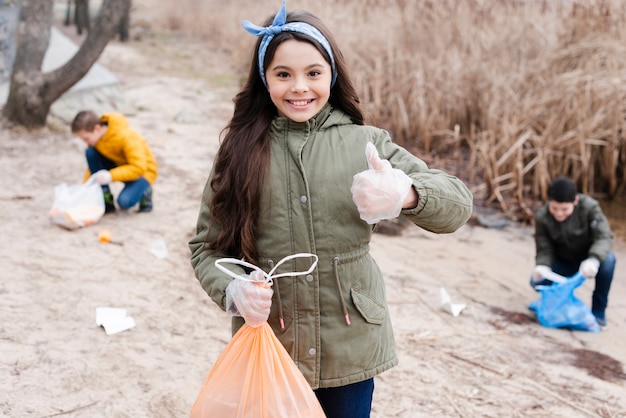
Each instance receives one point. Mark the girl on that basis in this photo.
(292, 176)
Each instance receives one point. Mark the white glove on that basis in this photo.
(250, 299)
(540, 272)
(589, 267)
(103, 177)
(379, 192)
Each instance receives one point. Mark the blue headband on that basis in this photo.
(279, 26)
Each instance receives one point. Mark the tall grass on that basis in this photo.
(509, 92)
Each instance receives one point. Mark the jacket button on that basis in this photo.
(309, 278)
(312, 351)
(303, 199)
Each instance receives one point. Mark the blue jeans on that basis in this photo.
(600, 297)
(350, 401)
(132, 192)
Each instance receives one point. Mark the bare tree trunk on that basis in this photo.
(124, 26)
(33, 92)
(68, 13)
(24, 103)
(81, 16)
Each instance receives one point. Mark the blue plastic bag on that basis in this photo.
(559, 307)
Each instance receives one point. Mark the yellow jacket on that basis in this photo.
(127, 149)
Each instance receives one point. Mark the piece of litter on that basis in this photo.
(447, 305)
(113, 320)
(159, 248)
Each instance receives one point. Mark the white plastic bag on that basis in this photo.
(78, 205)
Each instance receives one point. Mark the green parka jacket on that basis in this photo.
(585, 233)
(307, 207)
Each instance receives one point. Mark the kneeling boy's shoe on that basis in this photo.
(109, 202)
(146, 201)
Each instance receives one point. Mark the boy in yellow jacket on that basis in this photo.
(116, 152)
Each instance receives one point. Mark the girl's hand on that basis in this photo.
(380, 192)
(251, 299)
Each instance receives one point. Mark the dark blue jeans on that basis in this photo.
(600, 297)
(350, 401)
(132, 192)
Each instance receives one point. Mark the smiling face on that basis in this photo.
(298, 80)
(562, 210)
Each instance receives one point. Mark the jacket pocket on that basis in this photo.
(371, 310)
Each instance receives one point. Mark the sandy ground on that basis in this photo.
(493, 360)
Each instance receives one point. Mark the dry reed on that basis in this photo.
(520, 90)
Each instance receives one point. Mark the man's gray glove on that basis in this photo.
(589, 267)
(541, 272)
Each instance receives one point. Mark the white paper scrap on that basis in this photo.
(158, 248)
(113, 320)
(447, 305)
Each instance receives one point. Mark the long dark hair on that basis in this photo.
(243, 157)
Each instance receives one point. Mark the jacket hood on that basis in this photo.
(116, 119)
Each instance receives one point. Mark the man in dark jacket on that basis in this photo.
(571, 235)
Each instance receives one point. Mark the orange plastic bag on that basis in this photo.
(254, 376)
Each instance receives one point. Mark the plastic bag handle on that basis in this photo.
(91, 180)
(555, 277)
(268, 277)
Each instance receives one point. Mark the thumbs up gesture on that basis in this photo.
(380, 191)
